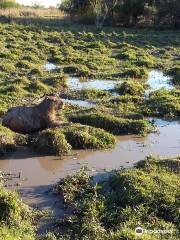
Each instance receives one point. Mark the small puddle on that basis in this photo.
(157, 80)
(79, 84)
(49, 66)
(80, 103)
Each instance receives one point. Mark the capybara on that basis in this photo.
(23, 119)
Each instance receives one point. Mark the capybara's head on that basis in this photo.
(52, 102)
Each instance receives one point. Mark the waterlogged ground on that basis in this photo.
(44, 170)
(88, 69)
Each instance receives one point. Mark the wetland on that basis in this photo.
(120, 129)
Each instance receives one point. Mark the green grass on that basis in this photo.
(85, 137)
(111, 124)
(7, 140)
(163, 103)
(145, 196)
(131, 87)
(61, 141)
(51, 141)
(16, 218)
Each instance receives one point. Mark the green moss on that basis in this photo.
(85, 137)
(111, 124)
(51, 141)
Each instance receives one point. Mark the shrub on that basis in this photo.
(111, 124)
(85, 137)
(51, 141)
(9, 4)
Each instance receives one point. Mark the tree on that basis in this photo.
(9, 4)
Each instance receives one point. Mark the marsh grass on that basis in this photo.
(114, 125)
(51, 141)
(131, 87)
(60, 141)
(7, 140)
(145, 196)
(163, 103)
(16, 218)
(120, 54)
(85, 137)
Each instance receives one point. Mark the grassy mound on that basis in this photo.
(15, 217)
(86, 94)
(131, 87)
(175, 73)
(60, 141)
(111, 124)
(145, 196)
(164, 103)
(51, 141)
(85, 137)
(7, 140)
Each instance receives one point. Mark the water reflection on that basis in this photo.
(158, 80)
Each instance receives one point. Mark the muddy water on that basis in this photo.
(44, 170)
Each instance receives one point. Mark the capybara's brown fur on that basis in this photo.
(24, 119)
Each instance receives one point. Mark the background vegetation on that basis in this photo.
(125, 12)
